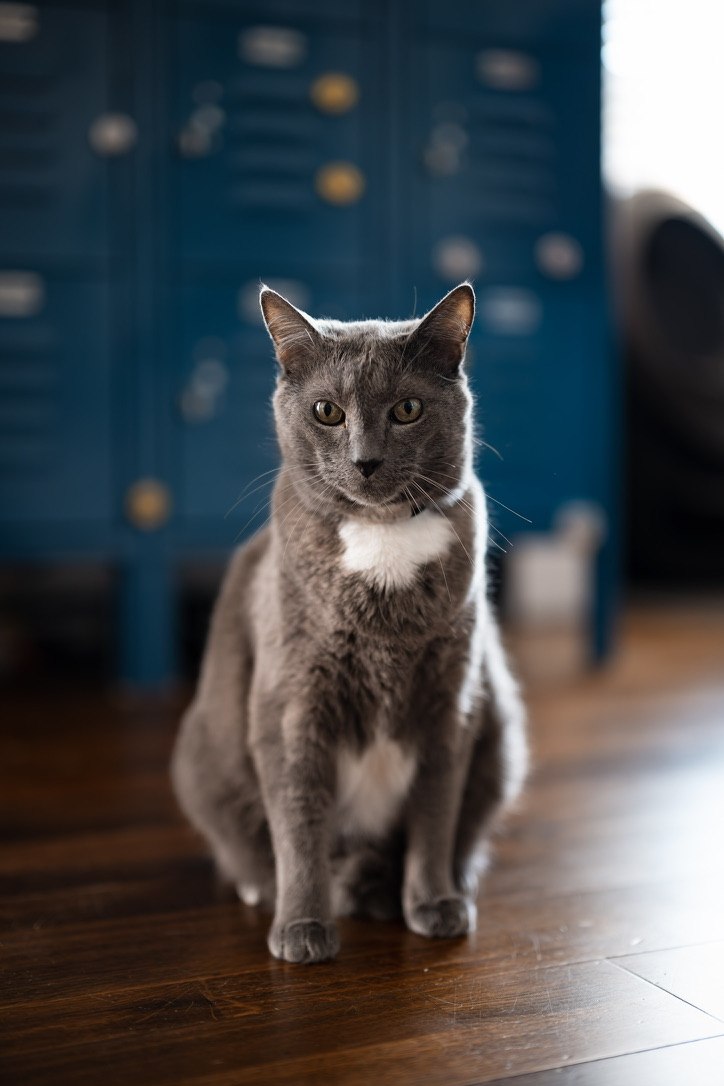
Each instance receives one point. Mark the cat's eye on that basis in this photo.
(407, 411)
(328, 413)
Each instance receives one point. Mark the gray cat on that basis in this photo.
(356, 727)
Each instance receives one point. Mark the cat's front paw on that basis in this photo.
(446, 918)
(304, 941)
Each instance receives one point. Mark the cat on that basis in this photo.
(356, 727)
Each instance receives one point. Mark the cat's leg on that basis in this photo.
(298, 777)
(498, 764)
(226, 808)
(211, 769)
(482, 799)
(367, 880)
(432, 905)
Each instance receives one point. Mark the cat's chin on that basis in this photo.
(397, 507)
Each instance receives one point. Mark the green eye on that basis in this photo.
(328, 413)
(407, 410)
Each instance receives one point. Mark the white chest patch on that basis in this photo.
(390, 555)
(371, 787)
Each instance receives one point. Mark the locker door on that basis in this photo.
(507, 183)
(222, 400)
(269, 138)
(275, 178)
(55, 381)
(53, 193)
(55, 425)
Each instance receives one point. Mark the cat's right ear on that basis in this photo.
(442, 333)
(293, 333)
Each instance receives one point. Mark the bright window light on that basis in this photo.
(664, 100)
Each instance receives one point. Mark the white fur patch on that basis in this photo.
(371, 787)
(390, 555)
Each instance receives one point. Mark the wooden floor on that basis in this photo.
(600, 951)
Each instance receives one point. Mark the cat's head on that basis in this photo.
(373, 417)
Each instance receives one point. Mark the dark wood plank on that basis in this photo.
(442, 1026)
(121, 958)
(52, 951)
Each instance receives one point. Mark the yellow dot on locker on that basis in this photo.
(148, 504)
(334, 92)
(340, 183)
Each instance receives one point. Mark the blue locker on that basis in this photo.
(54, 84)
(504, 166)
(251, 145)
(56, 419)
(224, 434)
(274, 177)
(158, 160)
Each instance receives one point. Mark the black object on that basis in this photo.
(671, 263)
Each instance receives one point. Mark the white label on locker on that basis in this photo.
(112, 134)
(201, 397)
(457, 258)
(18, 22)
(559, 256)
(273, 46)
(22, 294)
(507, 69)
(442, 155)
(511, 311)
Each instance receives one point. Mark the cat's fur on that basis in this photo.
(356, 727)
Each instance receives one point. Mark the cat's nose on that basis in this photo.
(367, 466)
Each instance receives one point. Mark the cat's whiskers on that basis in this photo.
(414, 504)
(466, 505)
(265, 504)
(255, 512)
(513, 511)
(442, 570)
(312, 513)
(485, 445)
(515, 514)
(329, 489)
(501, 534)
(442, 514)
(244, 494)
(292, 531)
(294, 496)
(456, 499)
(487, 495)
(247, 493)
(439, 556)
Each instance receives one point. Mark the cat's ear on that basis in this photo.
(442, 334)
(293, 332)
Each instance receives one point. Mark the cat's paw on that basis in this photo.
(446, 918)
(304, 941)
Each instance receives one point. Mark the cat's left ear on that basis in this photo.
(293, 332)
(442, 334)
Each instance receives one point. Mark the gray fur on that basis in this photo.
(309, 663)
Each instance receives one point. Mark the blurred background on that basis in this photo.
(157, 160)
